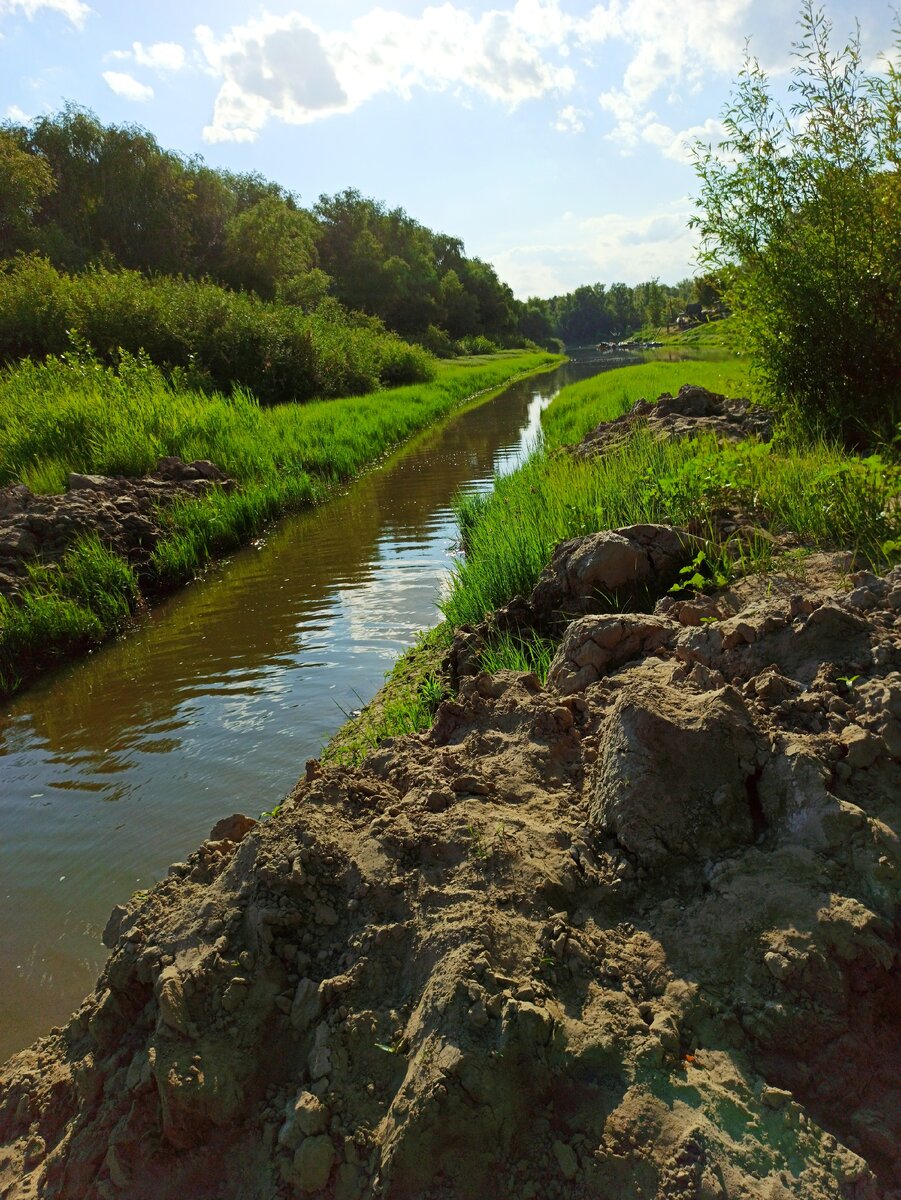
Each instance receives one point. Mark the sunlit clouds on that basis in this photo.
(289, 69)
(127, 86)
(73, 10)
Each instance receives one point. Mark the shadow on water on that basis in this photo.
(119, 764)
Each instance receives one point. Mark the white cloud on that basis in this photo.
(608, 247)
(161, 56)
(290, 69)
(75, 10)
(677, 146)
(569, 120)
(14, 113)
(127, 86)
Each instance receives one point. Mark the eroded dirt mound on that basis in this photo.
(693, 411)
(633, 935)
(124, 512)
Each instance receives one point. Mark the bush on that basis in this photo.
(801, 213)
(215, 338)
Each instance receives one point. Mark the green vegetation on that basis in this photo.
(526, 652)
(581, 406)
(406, 704)
(798, 211)
(202, 334)
(90, 594)
(79, 415)
(826, 497)
(83, 194)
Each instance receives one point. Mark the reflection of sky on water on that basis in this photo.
(121, 764)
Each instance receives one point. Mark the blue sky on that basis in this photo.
(548, 134)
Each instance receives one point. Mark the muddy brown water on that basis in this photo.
(119, 765)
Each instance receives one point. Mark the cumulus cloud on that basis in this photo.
(127, 86)
(288, 68)
(677, 146)
(14, 113)
(74, 10)
(610, 246)
(644, 59)
(569, 120)
(159, 56)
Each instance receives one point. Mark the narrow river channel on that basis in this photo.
(120, 764)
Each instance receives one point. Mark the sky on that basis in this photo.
(550, 135)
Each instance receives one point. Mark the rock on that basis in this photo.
(81, 483)
(566, 1157)
(774, 1097)
(310, 1113)
(173, 1005)
(313, 1164)
(307, 1005)
(232, 829)
(702, 811)
(694, 411)
(589, 573)
(114, 926)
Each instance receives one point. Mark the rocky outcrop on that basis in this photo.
(692, 412)
(124, 512)
(632, 934)
(613, 568)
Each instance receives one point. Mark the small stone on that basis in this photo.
(324, 914)
(774, 1097)
(777, 964)
(310, 1114)
(313, 1164)
(566, 1157)
(471, 784)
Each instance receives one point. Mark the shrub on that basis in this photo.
(215, 338)
(801, 213)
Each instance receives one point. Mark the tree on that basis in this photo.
(799, 211)
(25, 179)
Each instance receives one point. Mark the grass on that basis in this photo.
(814, 490)
(526, 652)
(582, 406)
(406, 703)
(88, 595)
(77, 415)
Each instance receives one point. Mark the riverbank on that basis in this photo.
(630, 931)
(276, 460)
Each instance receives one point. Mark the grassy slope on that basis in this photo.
(58, 418)
(818, 492)
(581, 406)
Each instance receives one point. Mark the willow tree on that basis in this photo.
(799, 210)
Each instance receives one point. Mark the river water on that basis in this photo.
(119, 765)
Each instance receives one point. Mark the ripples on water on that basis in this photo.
(121, 763)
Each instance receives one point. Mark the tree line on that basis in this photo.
(83, 194)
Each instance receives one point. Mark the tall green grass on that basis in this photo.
(818, 492)
(88, 595)
(582, 406)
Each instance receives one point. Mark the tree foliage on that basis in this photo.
(83, 193)
(799, 210)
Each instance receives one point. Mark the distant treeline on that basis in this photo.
(596, 313)
(82, 193)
